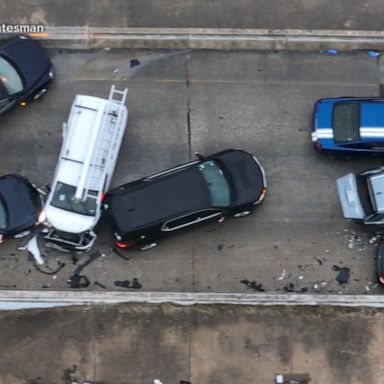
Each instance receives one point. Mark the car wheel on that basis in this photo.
(40, 94)
(242, 214)
(147, 247)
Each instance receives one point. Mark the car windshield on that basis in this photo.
(9, 77)
(64, 198)
(346, 122)
(217, 184)
(3, 216)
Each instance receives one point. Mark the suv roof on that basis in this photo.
(177, 193)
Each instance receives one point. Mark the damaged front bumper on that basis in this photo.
(69, 242)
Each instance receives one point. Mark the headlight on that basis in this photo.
(314, 136)
(42, 217)
(51, 73)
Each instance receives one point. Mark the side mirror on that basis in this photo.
(200, 157)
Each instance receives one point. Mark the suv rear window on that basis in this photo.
(346, 122)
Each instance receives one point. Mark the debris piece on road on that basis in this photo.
(49, 270)
(22, 234)
(100, 285)
(123, 283)
(319, 261)
(78, 281)
(127, 284)
(343, 275)
(91, 259)
(373, 54)
(332, 51)
(134, 63)
(253, 284)
(184, 382)
(33, 249)
(301, 277)
(118, 253)
(220, 247)
(157, 381)
(282, 275)
(136, 284)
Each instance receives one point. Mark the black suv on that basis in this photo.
(20, 205)
(25, 71)
(227, 184)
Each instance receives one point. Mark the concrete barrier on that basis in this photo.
(209, 38)
(15, 299)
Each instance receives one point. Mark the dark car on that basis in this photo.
(227, 184)
(380, 262)
(25, 72)
(349, 126)
(20, 205)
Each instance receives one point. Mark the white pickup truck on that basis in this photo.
(92, 138)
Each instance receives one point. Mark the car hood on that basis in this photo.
(22, 201)
(29, 57)
(349, 197)
(247, 175)
(69, 221)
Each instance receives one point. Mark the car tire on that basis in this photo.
(148, 246)
(241, 214)
(40, 94)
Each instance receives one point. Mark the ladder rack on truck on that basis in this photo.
(104, 139)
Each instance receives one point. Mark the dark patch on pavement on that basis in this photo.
(127, 284)
(78, 281)
(134, 63)
(253, 284)
(343, 275)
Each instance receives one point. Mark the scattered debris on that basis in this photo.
(123, 283)
(332, 51)
(118, 253)
(157, 381)
(374, 239)
(134, 63)
(343, 275)
(33, 249)
(100, 285)
(301, 277)
(127, 284)
(253, 285)
(184, 382)
(91, 259)
(319, 261)
(220, 247)
(282, 275)
(78, 281)
(373, 54)
(22, 234)
(116, 70)
(49, 270)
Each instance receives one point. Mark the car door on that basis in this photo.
(192, 220)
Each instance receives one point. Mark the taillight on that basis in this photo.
(317, 145)
(102, 196)
(123, 245)
(381, 279)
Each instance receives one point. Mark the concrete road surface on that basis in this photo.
(183, 102)
(271, 14)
